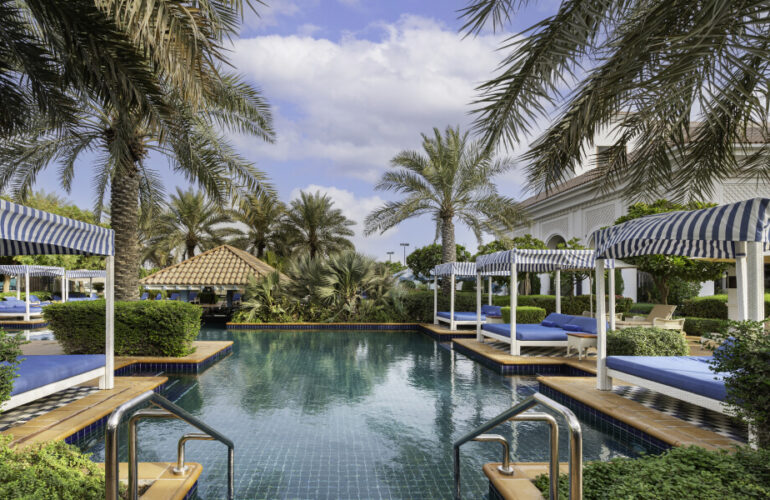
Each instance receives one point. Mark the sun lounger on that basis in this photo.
(159, 296)
(192, 297)
(15, 308)
(40, 376)
(174, 296)
(658, 311)
(552, 332)
(144, 296)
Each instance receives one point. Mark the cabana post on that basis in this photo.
(455, 318)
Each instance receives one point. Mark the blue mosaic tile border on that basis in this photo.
(23, 326)
(493, 493)
(445, 337)
(522, 369)
(174, 368)
(192, 492)
(606, 423)
(323, 326)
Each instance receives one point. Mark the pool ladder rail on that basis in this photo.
(519, 413)
(164, 409)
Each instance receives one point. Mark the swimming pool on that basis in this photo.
(347, 414)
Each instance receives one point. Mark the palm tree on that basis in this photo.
(683, 81)
(261, 214)
(454, 180)
(192, 222)
(312, 225)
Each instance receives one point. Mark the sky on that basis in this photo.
(352, 83)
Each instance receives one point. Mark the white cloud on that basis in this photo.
(357, 102)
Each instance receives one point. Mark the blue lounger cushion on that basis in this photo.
(581, 324)
(492, 311)
(688, 373)
(558, 320)
(460, 316)
(526, 332)
(37, 371)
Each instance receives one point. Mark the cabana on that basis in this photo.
(26, 308)
(736, 232)
(454, 318)
(26, 231)
(81, 274)
(553, 332)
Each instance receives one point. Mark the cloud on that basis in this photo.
(358, 101)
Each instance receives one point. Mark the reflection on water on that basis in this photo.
(347, 414)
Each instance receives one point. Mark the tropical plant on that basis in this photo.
(192, 222)
(264, 300)
(313, 226)
(10, 353)
(350, 278)
(657, 64)
(453, 180)
(422, 260)
(262, 215)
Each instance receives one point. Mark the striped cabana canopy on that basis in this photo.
(456, 268)
(710, 233)
(535, 261)
(27, 231)
(86, 273)
(21, 270)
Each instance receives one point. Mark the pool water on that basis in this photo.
(347, 414)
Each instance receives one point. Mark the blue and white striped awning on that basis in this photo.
(535, 261)
(27, 231)
(86, 273)
(709, 233)
(456, 268)
(21, 270)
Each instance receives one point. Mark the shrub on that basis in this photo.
(569, 304)
(524, 314)
(641, 308)
(682, 472)
(418, 305)
(640, 341)
(143, 328)
(52, 470)
(10, 350)
(699, 327)
(744, 360)
(714, 306)
(40, 295)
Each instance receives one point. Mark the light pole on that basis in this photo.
(404, 245)
(390, 254)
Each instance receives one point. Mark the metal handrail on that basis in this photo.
(515, 413)
(111, 476)
(181, 468)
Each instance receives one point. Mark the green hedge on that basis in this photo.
(524, 314)
(143, 328)
(701, 326)
(641, 308)
(640, 341)
(714, 306)
(569, 305)
(418, 305)
(682, 472)
(40, 295)
(51, 471)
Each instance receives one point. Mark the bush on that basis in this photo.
(10, 350)
(641, 308)
(418, 305)
(699, 327)
(40, 295)
(53, 471)
(524, 314)
(569, 304)
(640, 341)
(744, 360)
(143, 328)
(682, 472)
(714, 306)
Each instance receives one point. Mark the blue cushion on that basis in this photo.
(526, 332)
(460, 316)
(582, 323)
(559, 320)
(37, 371)
(689, 373)
(573, 328)
(550, 324)
(493, 311)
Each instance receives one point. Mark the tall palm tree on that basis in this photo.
(312, 225)
(192, 222)
(453, 180)
(685, 82)
(261, 214)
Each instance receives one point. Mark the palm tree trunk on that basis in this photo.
(448, 249)
(6, 283)
(124, 218)
(191, 250)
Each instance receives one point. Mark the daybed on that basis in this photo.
(15, 308)
(551, 332)
(40, 376)
(469, 318)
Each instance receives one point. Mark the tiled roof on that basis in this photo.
(223, 265)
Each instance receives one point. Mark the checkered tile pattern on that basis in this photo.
(34, 409)
(706, 419)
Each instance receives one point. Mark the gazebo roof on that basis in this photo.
(220, 266)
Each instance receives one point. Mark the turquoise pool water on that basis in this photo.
(347, 414)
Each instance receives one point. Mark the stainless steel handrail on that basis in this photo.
(575, 442)
(181, 468)
(111, 476)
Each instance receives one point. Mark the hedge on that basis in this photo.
(143, 328)
(418, 305)
(641, 308)
(524, 314)
(641, 341)
(714, 306)
(701, 326)
(569, 304)
(40, 295)
(681, 472)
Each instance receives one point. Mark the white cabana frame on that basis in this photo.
(27, 231)
(737, 232)
(454, 269)
(80, 274)
(19, 270)
(511, 262)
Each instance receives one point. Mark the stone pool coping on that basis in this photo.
(437, 332)
(164, 484)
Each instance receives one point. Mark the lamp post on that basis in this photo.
(390, 254)
(404, 245)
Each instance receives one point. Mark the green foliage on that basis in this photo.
(52, 471)
(394, 266)
(680, 290)
(524, 314)
(418, 305)
(204, 297)
(528, 282)
(423, 259)
(743, 359)
(143, 328)
(313, 226)
(264, 301)
(714, 306)
(569, 305)
(699, 327)
(42, 295)
(641, 341)
(10, 351)
(681, 472)
(641, 308)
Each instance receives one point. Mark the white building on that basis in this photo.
(576, 208)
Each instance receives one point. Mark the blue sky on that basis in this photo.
(352, 83)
